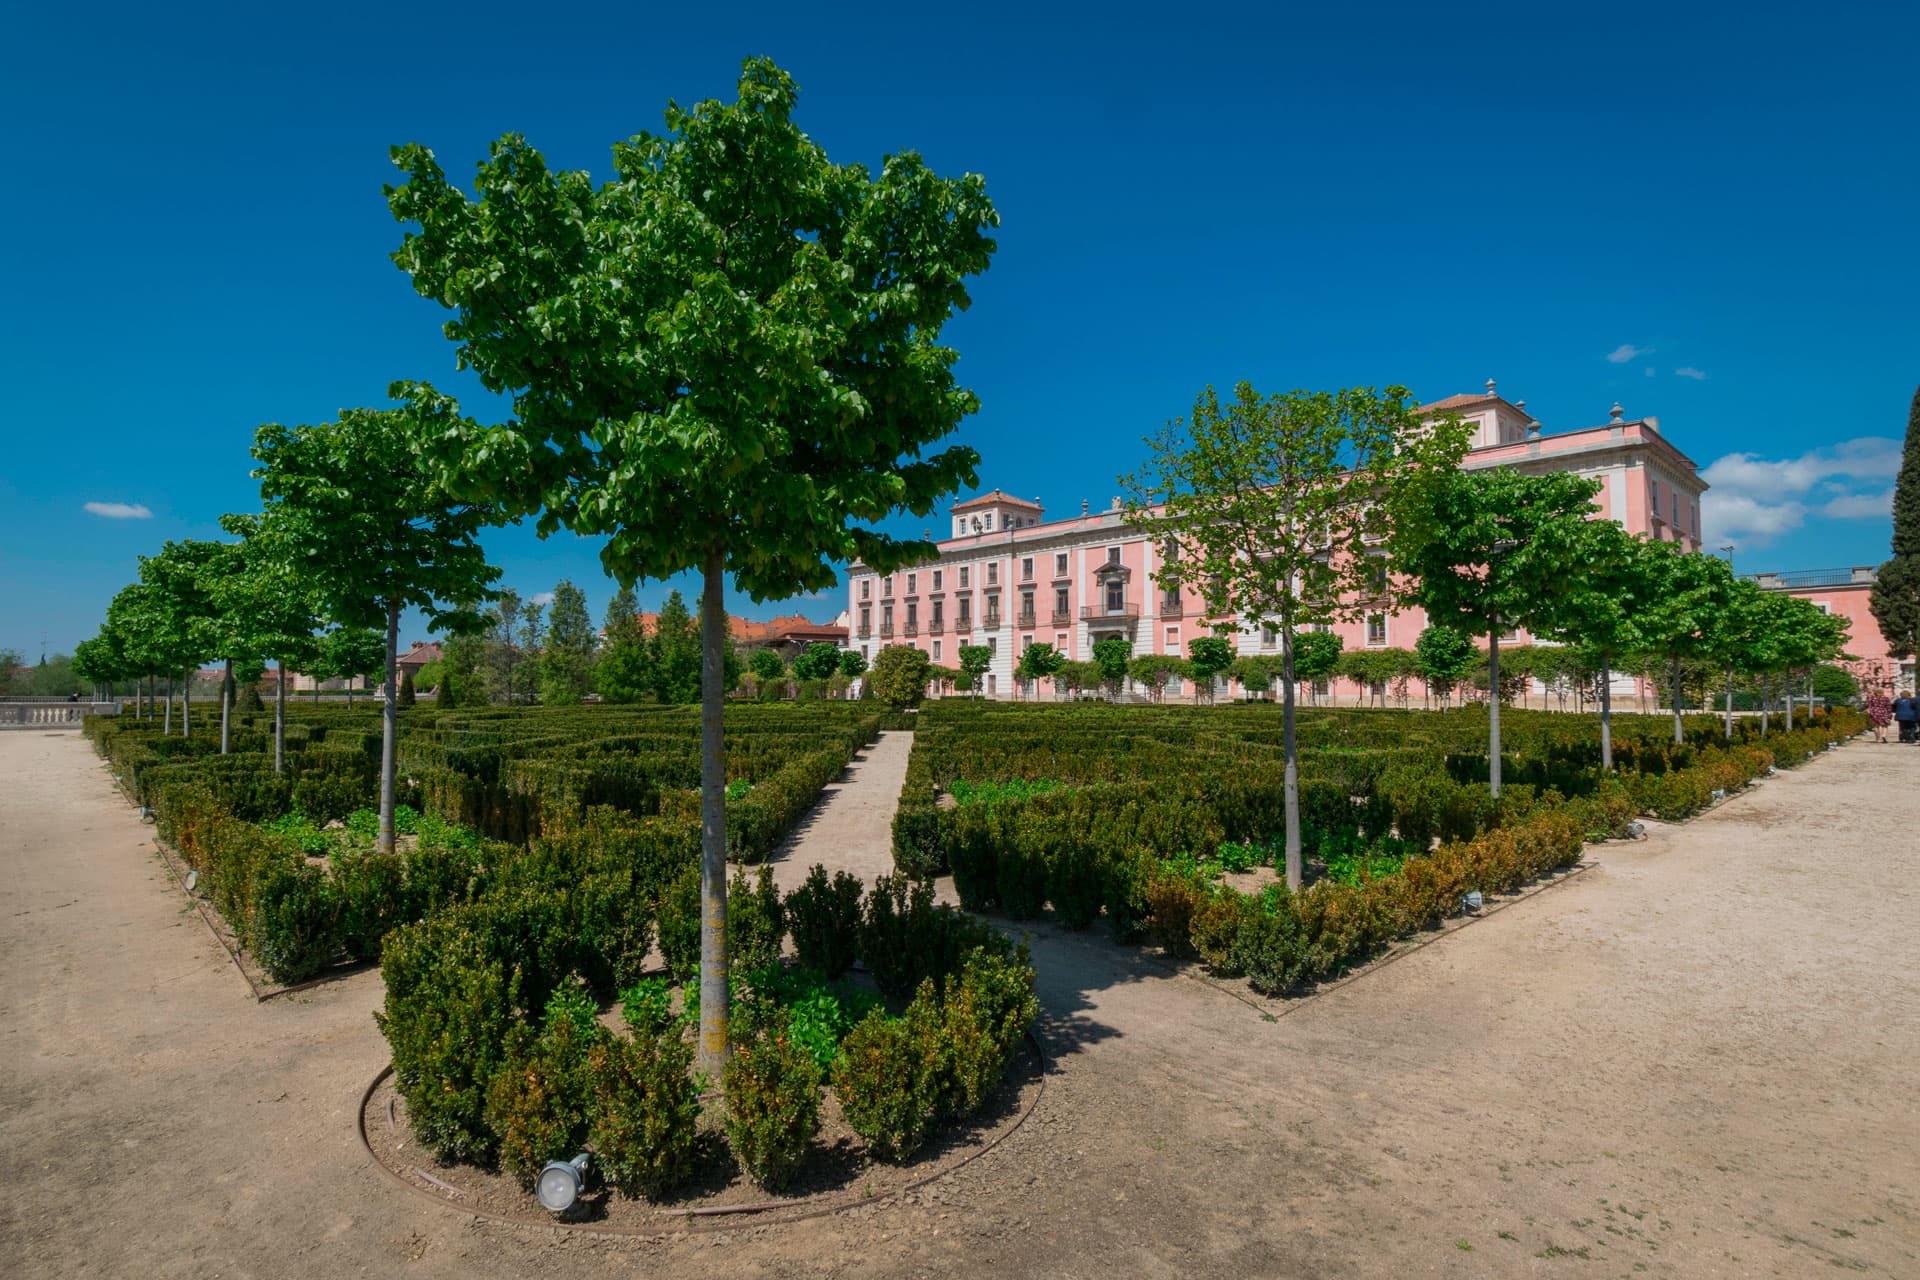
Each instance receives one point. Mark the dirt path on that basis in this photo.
(1694, 1061)
(851, 827)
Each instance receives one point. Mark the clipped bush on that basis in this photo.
(892, 1077)
(540, 1103)
(824, 918)
(679, 923)
(983, 1019)
(370, 892)
(646, 1108)
(295, 926)
(756, 921)
(772, 1088)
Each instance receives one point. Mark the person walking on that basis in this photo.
(1879, 714)
(1906, 710)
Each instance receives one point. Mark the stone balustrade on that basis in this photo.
(50, 713)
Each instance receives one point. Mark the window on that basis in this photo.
(1060, 601)
(1693, 513)
(1173, 640)
(963, 577)
(886, 618)
(866, 618)
(886, 588)
(913, 584)
(1116, 598)
(864, 653)
(866, 588)
(1026, 569)
(1060, 565)
(989, 519)
(993, 645)
(1653, 496)
(1823, 606)
(1268, 634)
(1060, 641)
(1113, 555)
(993, 574)
(966, 608)
(939, 607)
(1377, 577)
(913, 613)
(936, 579)
(1026, 607)
(936, 647)
(1376, 628)
(1676, 511)
(1171, 602)
(1026, 643)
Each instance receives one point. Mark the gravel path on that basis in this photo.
(1696, 1060)
(851, 826)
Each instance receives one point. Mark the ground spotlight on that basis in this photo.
(561, 1182)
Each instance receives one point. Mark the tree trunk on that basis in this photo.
(186, 703)
(1766, 704)
(166, 725)
(1673, 696)
(1729, 702)
(1290, 789)
(389, 732)
(713, 822)
(1786, 689)
(226, 709)
(1493, 709)
(1606, 715)
(280, 720)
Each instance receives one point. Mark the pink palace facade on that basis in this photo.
(1007, 576)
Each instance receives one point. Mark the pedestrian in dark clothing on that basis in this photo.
(1906, 713)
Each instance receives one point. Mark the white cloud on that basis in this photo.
(1754, 500)
(540, 597)
(120, 510)
(1627, 353)
(1688, 371)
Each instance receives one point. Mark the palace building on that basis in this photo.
(1007, 576)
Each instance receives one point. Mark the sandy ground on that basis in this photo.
(1696, 1060)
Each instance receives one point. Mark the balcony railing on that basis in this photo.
(1027, 619)
(911, 629)
(1172, 608)
(964, 625)
(886, 631)
(866, 633)
(936, 627)
(1061, 617)
(1125, 613)
(993, 622)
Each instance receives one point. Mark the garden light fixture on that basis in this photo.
(560, 1183)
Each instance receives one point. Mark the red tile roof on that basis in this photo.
(998, 498)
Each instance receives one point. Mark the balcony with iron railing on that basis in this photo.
(1061, 617)
(911, 629)
(1027, 618)
(1802, 579)
(1172, 607)
(886, 631)
(936, 627)
(992, 623)
(963, 625)
(1127, 612)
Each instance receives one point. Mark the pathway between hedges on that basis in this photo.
(850, 828)
(1696, 1060)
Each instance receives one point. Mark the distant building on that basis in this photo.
(1007, 577)
(1845, 592)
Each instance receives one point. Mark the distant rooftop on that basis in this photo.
(1800, 579)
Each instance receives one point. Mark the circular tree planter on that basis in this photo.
(837, 1176)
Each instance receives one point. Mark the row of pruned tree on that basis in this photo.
(1299, 510)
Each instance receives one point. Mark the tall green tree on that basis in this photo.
(852, 665)
(1110, 655)
(1039, 662)
(818, 661)
(348, 654)
(180, 618)
(1686, 592)
(1207, 657)
(566, 668)
(266, 613)
(1600, 608)
(625, 670)
(1315, 655)
(727, 359)
(900, 675)
(531, 641)
(1273, 506)
(676, 652)
(1488, 551)
(371, 533)
(1896, 590)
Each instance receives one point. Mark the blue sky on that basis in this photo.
(1708, 218)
